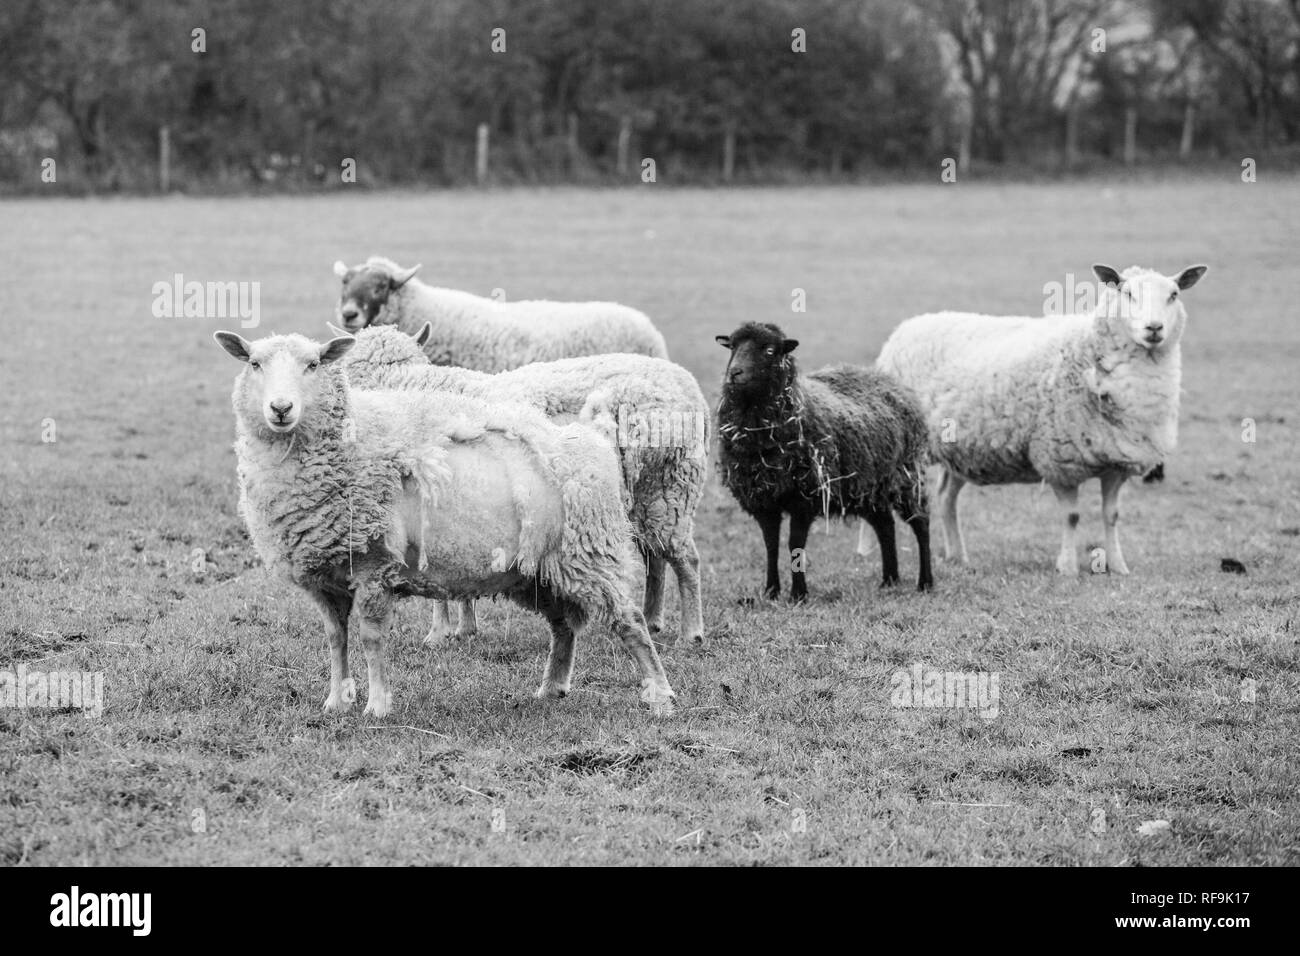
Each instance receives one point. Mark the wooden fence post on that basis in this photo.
(729, 152)
(481, 154)
(1189, 122)
(624, 144)
(571, 141)
(164, 159)
(1130, 135)
(1072, 133)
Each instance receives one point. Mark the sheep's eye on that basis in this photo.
(770, 350)
(1173, 295)
(312, 366)
(255, 365)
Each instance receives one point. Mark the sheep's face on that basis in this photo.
(759, 361)
(1146, 305)
(283, 380)
(366, 290)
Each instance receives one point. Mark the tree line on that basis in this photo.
(230, 93)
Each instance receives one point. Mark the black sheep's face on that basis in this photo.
(757, 365)
(365, 292)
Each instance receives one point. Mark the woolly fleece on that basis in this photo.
(664, 467)
(490, 336)
(1059, 399)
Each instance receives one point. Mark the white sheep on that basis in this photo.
(361, 497)
(1059, 400)
(485, 334)
(652, 409)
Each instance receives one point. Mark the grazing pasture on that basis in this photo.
(123, 553)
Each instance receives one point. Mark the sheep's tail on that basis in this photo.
(429, 472)
(593, 562)
(664, 452)
(600, 414)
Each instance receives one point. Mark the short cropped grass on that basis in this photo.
(1119, 695)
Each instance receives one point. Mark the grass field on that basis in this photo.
(1115, 694)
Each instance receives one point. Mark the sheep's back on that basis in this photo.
(877, 429)
(492, 336)
(1008, 399)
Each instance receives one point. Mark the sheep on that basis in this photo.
(1058, 400)
(652, 409)
(362, 497)
(485, 334)
(844, 440)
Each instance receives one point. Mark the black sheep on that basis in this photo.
(845, 440)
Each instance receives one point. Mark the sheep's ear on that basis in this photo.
(789, 345)
(335, 329)
(424, 334)
(1107, 275)
(723, 340)
(336, 348)
(403, 276)
(1190, 276)
(340, 269)
(236, 345)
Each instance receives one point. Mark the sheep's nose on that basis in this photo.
(281, 409)
(350, 313)
(1155, 326)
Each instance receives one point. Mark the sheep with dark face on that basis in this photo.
(842, 441)
(485, 334)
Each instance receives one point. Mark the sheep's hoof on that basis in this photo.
(801, 598)
(437, 636)
(340, 701)
(925, 584)
(1117, 567)
(888, 582)
(1067, 566)
(659, 697)
(771, 593)
(379, 704)
(552, 692)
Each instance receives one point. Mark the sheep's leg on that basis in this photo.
(864, 542)
(468, 626)
(800, 522)
(630, 627)
(1111, 485)
(920, 525)
(440, 629)
(557, 679)
(335, 607)
(770, 522)
(654, 589)
(1067, 562)
(685, 561)
(950, 486)
(882, 522)
(911, 507)
(376, 613)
